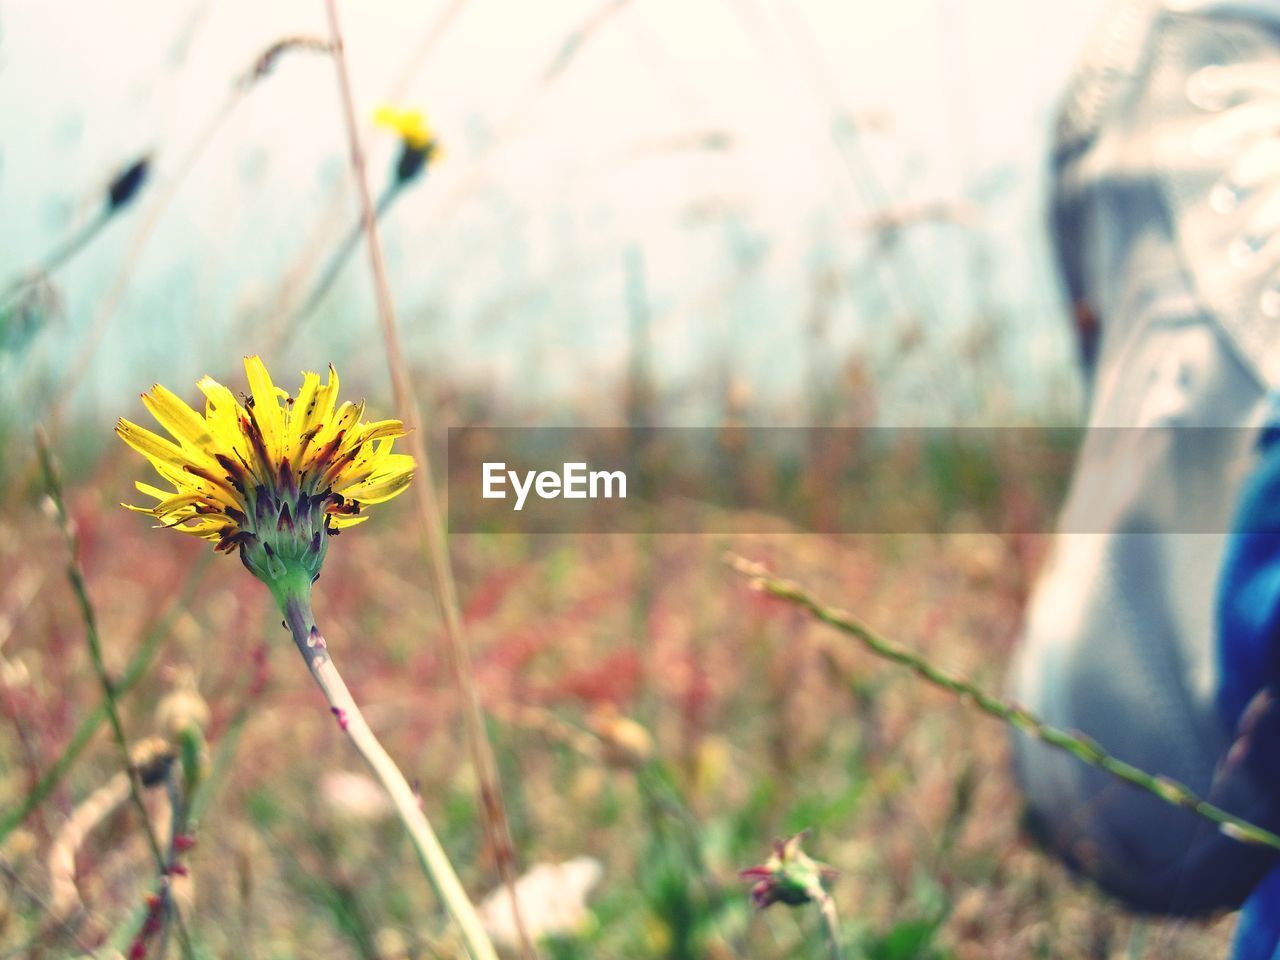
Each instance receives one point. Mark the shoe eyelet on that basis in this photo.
(1269, 301)
(1242, 250)
(1207, 89)
(1225, 197)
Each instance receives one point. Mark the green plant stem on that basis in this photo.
(75, 574)
(830, 925)
(88, 727)
(295, 601)
(337, 260)
(72, 244)
(177, 826)
(1077, 744)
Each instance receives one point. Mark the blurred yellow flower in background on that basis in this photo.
(411, 125)
(418, 144)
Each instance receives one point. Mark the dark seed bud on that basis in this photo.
(127, 184)
(412, 161)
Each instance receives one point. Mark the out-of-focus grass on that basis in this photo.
(763, 724)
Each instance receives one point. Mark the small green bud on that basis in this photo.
(790, 876)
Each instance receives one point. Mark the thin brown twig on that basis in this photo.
(446, 594)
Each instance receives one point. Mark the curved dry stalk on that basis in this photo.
(64, 895)
(311, 644)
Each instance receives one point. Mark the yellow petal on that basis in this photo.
(341, 522)
(180, 420)
(222, 413)
(151, 491)
(266, 408)
(346, 417)
(411, 125)
(343, 419)
(385, 115)
(208, 528)
(383, 463)
(152, 446)
(297, 418)
(326, 398)
(379, 429)
(379, 489)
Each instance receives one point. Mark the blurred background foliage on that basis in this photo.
(740, 212)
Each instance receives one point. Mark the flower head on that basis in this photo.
(273, 476)
(418, 144)
(789, 876)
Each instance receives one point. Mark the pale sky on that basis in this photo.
(508, 262)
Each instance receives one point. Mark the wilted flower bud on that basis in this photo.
(790, 876)
(151, 758)
(182, 708)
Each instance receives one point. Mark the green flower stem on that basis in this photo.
(1077, 744)
(294, 596)
(830, 924)
(87, 729)
(75, 575)
(337, 260)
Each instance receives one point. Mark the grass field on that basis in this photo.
(755, 723)
(731, 219)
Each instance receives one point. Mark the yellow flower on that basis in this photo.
(411, 125)
(275, 476)
(418, 145)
